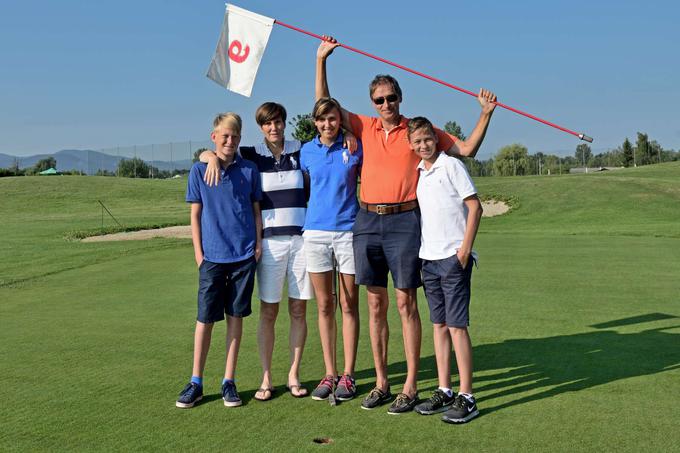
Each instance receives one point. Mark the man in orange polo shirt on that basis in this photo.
(387, 227)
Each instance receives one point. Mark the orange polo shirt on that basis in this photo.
(389, 174)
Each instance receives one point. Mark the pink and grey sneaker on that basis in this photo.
(324, 389)
(346, 388)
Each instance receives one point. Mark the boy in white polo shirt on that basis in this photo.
(450, 214)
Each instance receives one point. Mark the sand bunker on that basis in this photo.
(181, 232)
(491, 208)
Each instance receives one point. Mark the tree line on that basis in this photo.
(515, 160)
(510, 160)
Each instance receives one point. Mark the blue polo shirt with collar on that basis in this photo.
(227, 221)
(333, 173)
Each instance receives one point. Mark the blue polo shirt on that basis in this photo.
(227, 222)
(333, 176)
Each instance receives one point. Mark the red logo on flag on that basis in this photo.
(237, 53)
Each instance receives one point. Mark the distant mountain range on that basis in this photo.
(86, 161)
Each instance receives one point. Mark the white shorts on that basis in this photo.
(283, 257)
(320, 244)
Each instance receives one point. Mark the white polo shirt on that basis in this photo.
(441, 191)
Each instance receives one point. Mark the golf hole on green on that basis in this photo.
(323, 440)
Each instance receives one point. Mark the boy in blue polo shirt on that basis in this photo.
(450, 215)
(226, 228)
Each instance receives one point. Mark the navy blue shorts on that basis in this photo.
(447, 288)
(225, 288)
(387, 243)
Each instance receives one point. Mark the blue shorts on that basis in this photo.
(225, 288)
(447, 288)
(387, 243)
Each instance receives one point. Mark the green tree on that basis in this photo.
(511, 160)
(552, 165)
(197, 154)
(134, 168)
(583, 154)
(45, 164)
(627, 153)
(304, 128)
(474, 167)
(642, 149)
(655, 152)
(454, 129)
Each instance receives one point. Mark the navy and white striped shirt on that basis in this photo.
(283, 197)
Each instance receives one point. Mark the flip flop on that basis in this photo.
(297, 391)
(263, 390)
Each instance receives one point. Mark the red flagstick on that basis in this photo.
(462, 90)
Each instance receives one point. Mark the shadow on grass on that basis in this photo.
(532, 369)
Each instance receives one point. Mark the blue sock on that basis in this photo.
(197, 380)
(225, 380)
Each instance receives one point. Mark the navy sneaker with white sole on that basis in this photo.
(230, 395)
(190, 395)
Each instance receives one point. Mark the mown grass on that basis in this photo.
(575, 322)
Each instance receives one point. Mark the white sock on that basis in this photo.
(468, 396)
(447, 390)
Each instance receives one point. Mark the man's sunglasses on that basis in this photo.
(389, 98)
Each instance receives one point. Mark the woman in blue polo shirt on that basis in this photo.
(332, 172)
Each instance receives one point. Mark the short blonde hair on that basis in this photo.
(228, 119)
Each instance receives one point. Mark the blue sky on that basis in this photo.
(91, 75)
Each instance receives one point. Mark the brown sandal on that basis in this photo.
(297, 391)
(263, 390)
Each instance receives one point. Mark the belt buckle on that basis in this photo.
(381, 209)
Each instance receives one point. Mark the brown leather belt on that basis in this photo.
(391, 208)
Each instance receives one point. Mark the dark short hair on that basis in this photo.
(269, 111)
(384, 79)
(324, 106)
(419, 122)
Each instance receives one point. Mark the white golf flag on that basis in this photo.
(239, 51)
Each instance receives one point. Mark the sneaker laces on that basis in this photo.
(229, 390)
(437, 397)
(189, 389)
(459, 402)
(345, 381)
(402, 398)
(327, 381)
(376, 393)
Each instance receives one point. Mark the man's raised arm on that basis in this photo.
(469, 147)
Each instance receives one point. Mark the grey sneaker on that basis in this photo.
(463, 410)
(402, 404)
(230, 395)
(190, 395)
(324, 389)
(438, 402)
(376, 398)
(346, 389)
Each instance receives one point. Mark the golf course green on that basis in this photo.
(575, 323)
